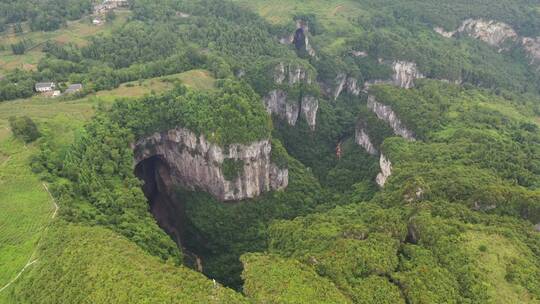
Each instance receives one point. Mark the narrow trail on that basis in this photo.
(32, 260)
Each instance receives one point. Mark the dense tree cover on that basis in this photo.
(426, 251)
(219, 233)
(476, 150)
(232, 114)
(79, 264)
(95, 184)
(285, 281)
(43, 15)
(24, 128)
(522, 14)
(18, 84)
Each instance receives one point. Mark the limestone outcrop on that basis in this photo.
(386, 114)
(278, 102)
(362, 139)
(347, 84)
(532, 47)
(492, 32)
(195, 163)
(386, 171)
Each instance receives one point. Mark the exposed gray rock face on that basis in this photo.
(292, 73)
(360, 54)
(537, 227)
(405, 73)
(442, 32)
(532, 47)
(346, 83)
(195, 163)
(310, 106)
(492, 32)
(386, 171)
(362, 138)
(277, 103)
(386, 114)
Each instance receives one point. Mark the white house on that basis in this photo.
(44, 87)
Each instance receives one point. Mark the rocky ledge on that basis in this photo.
(386, 114)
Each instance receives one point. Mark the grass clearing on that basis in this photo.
(195, 79)
(492, 253)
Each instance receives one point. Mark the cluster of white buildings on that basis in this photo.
(49, 89)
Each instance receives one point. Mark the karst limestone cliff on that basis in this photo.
(279, 103)
(496, 34)
(386, 114)
(195, 163)
(362, 139)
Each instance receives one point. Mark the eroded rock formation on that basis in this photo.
(193, 162)
(362, 139)
(291, 73)
(492, 32)
(386, 114)
(405, 73)
(279, 103)
(346, 83)
(386, 171)
(496, 34)
(404, 76)
(532, 47)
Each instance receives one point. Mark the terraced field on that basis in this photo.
(77, 32)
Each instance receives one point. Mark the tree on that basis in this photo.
(24, 128)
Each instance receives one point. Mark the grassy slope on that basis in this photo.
(493, 261)
(77, 32)
(94, 265)
(25, 204)
(26, 208)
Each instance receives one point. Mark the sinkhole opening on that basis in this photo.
(167, 207)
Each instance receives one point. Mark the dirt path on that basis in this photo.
(32, 260)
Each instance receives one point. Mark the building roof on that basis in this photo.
(40, 85)
(74, 88)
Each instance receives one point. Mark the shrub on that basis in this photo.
(24, 128)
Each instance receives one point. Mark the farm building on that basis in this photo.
(44, 87)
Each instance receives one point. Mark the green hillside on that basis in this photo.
(250, 151)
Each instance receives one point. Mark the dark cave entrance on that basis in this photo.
(168, 204)
(299, 40)
(168, 208)
(164, 206)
